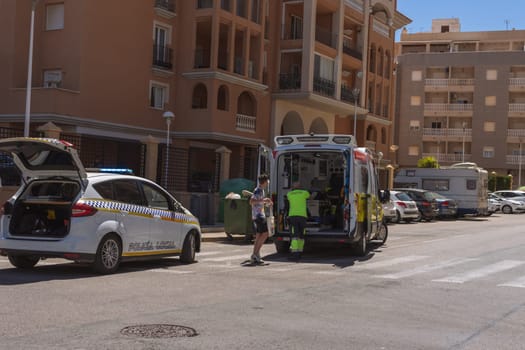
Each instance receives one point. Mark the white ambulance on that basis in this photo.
(345, 204)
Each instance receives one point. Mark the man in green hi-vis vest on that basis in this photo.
(297, 215)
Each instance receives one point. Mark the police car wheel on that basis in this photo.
(108, 255)
(188, 249)
(23, 261)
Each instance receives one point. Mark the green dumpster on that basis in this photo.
(235, 186)
(238, 217)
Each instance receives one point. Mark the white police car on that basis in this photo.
(62, 211)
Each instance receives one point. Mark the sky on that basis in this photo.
(474, 15)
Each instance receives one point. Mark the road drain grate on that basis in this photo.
(159, 331)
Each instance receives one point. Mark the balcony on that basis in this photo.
(245, 123)
(325, 36)
(453, 109)
(165, 8)
(445, 132)
(324, 86)
(289, 82)
(516, 133)
(448, 82)
(516, 107)
(162, 57)
(355, 4)
(515, 159)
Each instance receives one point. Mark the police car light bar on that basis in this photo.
(111, 170)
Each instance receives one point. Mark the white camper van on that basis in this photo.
(345, 201)
(465, 182)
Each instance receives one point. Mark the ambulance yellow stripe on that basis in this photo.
(154, 252)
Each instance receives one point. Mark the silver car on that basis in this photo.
(508, 206)
(406, 208)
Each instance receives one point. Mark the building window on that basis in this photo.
(413, 151)
(256, 11)
(492, 74)
(158, 95)
(162, 53)
(490, 100)
(415, 100)
(241, 8)
(488, 152)
(204, 4)
(489, 126)
(417, 75)
(55, 16)
(226, 5)
(52, 78)
(200, 97)
(296, 29)
(222, 98)
(414, 125)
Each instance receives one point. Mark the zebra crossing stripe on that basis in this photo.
(226, 258)
(482, 272)
(390, 262)
(425, 268)
(518, 283)
(176, 272)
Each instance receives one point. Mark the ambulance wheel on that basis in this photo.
(23, 261)
(189, 249)
(360, 246)
(382, 235)
(108, 256)
(282, 247)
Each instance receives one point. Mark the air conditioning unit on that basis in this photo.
(52, 83)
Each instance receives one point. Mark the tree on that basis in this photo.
(427, 162)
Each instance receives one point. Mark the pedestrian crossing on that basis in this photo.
(507, 273)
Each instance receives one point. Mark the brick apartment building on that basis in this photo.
(461, 97)
(234, 73)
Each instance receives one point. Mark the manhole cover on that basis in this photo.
(159, 331)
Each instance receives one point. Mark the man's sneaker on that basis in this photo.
(254, 259)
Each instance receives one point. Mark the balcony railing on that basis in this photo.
(289, 82)
(449, 157)
(162, 56)
(447, 132)
(448, 82)
(347, 95)
(168, 5)
(245, 123)
(517, 107)
(325, 36)
(515, 159)
(352, 52)
(448, 107)
(324, 86)
(516, 133)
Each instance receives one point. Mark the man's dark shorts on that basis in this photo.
(260, 225)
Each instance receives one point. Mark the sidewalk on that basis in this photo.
(213, 233)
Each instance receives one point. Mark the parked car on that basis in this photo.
(62, 211)
(426, 204)
(507, 206)
(405, 208)
(494, 205)
(389, 211)
(510, 194)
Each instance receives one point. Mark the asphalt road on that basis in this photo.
(440, 285)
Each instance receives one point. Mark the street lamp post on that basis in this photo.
(27, 118)
(463, 146)
(355, 94)
(510, 181)
(519, 167)
(169, 117)
(495, 179)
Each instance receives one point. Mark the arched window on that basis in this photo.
(292, 124)
(222, 98)
(319, 126)
(246, 104)
(200, 97)
(371, 133)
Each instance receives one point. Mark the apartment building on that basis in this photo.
(461, 97)
(233, 73)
